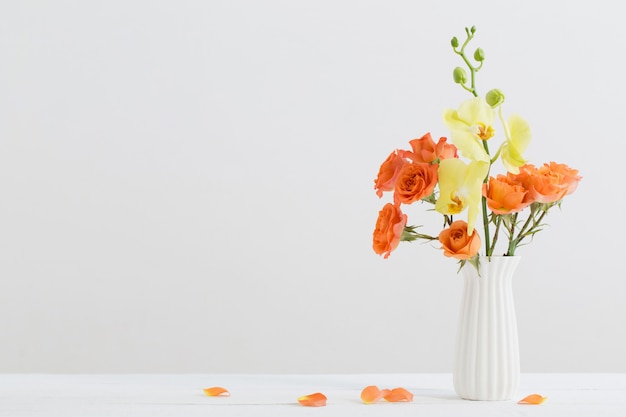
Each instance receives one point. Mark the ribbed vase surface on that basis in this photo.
(487, 351)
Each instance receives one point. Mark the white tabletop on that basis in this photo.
(22, 395)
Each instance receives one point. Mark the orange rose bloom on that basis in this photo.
(567, 175)
(414, 182)
(389, 227)
(504, 195)
(426, 151)
(456, 243)
(388, 173)
(550, 182)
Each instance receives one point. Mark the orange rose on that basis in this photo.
(388, 173)
(448, 150)
(414, 182)
(389, 227)
(426, 151)
(550, 182)
(504, 195)
(568, 176)
(456, 243)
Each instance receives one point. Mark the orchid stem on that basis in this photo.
(473, 70)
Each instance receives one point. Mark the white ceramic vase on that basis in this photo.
(487, 351)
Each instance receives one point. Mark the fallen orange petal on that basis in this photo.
(371, 394)
(533, 399)
(399, 394)
(216, 392)
(313, 400)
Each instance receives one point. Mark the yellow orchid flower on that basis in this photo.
(469, 126)
(460, 187)
(517, 131)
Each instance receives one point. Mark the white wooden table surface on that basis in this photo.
(27, 395)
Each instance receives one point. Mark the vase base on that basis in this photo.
(484, 399)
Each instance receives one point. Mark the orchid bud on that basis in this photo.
(459, 75)
(479, 55)
(454, 42)
(494, 98)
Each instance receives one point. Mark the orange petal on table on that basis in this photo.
(533, 399)
(371, 394)
(313, 400)
(399, 394)
(216, 392)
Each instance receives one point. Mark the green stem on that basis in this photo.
(486, 227)
(513, 242)
(536, 223)
(488, 249)
(473, 69)
(495, 234)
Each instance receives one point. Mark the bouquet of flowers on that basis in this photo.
(455, 178)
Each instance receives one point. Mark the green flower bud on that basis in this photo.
(479, 55)
(473, 29)
(459, 75)
(454, 42)
(494, 98)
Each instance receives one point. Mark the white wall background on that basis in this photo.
(186, 186)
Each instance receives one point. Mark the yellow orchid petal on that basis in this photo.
(477, 172)
(477, 110)
(519, 139)
(460, 187)
(469, 126)
(532, 399)
(451, 174)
